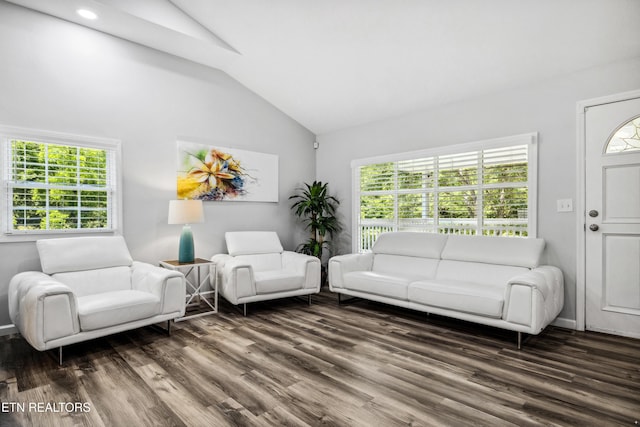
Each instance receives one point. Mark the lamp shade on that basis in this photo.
(185, 211)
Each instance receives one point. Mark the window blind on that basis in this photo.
(485, 190)
(57, 187)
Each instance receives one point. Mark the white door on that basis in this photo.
(613, 218)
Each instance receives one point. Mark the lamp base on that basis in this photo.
(185, 253)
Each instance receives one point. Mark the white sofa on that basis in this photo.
(90, 287)
(257, 268)
(494, 281)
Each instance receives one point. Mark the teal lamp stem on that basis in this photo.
(186, 251)
(186, 212)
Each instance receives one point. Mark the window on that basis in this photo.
(626, 138)
(58, 183)
(486, 188)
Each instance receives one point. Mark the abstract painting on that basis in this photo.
(226, 174)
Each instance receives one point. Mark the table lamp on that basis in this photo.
(186, 212)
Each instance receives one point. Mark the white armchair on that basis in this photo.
(90, 287)
(257, 268)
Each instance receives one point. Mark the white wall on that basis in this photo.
(548, 108)
(63, 77)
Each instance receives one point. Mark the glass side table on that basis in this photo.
(200, 299)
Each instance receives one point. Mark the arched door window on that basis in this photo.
(626, 138)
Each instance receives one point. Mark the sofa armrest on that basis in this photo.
(546, 279)
(167, 285)
(535, 298)
(221, 259)
(306, 265)
(532, 279)
(42, 308)
(235, 277)
(343, 264)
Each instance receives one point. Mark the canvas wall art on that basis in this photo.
(208, 172)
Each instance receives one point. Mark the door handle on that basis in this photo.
(594, 227)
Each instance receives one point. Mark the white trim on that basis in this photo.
(532, 194)
(562, 322)
(8, 330)
(58, 137)
(450, 149)
(114, 147)
(581, 195)
(355, 200)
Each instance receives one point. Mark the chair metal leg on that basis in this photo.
(60, 355)
(519, 340)
(169, 327)
(244, 309)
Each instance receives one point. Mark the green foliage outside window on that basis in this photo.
(417, 195)
(58, 187)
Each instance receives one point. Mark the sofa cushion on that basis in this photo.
(414, 244)
(82, 253)
(466, 297)
(90, 282)
(268, 282)
(405, 266)
(387, 285)
(516, 251)
(114, 308)
(476, 272)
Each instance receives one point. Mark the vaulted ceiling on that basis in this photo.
(333, 64)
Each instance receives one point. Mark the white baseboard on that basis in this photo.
(561, 322)
(8, 330)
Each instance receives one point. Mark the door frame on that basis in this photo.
(581, 283)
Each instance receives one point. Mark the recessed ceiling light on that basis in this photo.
(87, 14)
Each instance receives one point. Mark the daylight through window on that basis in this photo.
(58, 187)
(483, 188)
(626, 139)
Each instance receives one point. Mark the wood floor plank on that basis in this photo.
(464, 393)
(179, 399)
(124, 397)
(362, 364)
(280, 416)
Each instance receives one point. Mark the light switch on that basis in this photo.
(565, 205)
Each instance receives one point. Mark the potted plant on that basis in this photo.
(317, 210)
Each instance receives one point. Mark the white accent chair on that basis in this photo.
(257, 268)
(90, 287)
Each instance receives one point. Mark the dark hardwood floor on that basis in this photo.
(364, 364)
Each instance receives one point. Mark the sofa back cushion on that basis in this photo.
(263, 262)
(97, 281)
(412, 244)
(476, 272)
(252, 242)
(514, 251)
(82, 253)
(407, 267)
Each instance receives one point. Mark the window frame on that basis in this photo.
(114, 169)
(528, 139)
(614, 133)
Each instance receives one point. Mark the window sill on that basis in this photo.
(32, 237)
